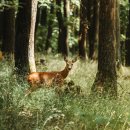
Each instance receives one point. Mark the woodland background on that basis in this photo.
(36, 35)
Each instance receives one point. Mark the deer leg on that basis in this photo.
(31, 89)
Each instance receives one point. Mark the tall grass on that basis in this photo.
(46, 110)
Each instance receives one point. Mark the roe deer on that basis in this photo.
(35, 79)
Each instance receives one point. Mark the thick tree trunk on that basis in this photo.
(83, 30)
(106, 78)
(24, 43)
(8, 32)
(1, 26)
(127, 43)
(21, 39)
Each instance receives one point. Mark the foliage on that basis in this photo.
(8, 4)
(76, 2)
(45, 3)
(44, 109)
(124, 8)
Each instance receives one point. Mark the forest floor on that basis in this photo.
(72, 110)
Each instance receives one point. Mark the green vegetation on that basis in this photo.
(46, 110)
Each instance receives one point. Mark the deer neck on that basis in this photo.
(65, 72)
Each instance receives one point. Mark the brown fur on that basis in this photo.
(35, 79)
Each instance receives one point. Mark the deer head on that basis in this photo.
(69, 63)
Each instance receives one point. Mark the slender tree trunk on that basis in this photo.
(43, 18)
(31, 56)
(106, 78)
(127, 43)
(63, 28)
(60, 24)
(93, 31)
(65, 47)
(83, 30)
(50, 30)
(8, 32)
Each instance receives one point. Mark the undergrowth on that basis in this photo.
(46, 110)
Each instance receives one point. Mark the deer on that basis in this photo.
(38, 79)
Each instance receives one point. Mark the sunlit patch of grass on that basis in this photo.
(46, 110)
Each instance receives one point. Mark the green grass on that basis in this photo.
(46, 110)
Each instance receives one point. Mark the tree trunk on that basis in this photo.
(83, 30)
(60, 24)
(63, 28)
(31, 56)
(1, 26)
(43, 18)
(8, 32)
(93, 31)
(24, 43)
(38, 17)
(127, 43)
(50, 30)
(106, 78)
(118, 44)
(65, 47)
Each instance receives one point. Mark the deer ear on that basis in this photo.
(65, 59)
(75, 59)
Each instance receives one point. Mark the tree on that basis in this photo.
(31, 57)
(24, 43)
(65, 46)
(63, 27)
(8, 35)
(127, 43)
(1, 25)
(117, 32)
(83, 30)
(106, 77)
(50, 29)
(43, 18)
(93, 31)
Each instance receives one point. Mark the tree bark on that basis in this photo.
(31, 56)
(118, 44)
(127, 43)
(63, 28)
(8, 39)
(38, 17)
(60, 24)
(1, 25)
(43, 18)
(65, 47)
(106, 78)
(50, 30)
(83, 30)
(93, 31)
(24, 43)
